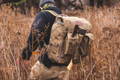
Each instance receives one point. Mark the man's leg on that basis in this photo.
(41, 72)
(36, 70)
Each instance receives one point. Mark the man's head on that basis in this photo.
(43, 2)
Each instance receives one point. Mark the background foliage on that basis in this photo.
(102, 64)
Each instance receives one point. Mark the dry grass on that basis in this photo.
(102, 64)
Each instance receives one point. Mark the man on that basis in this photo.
(52, 65)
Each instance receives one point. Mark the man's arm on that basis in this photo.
(36, 37)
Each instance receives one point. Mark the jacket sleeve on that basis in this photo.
(36, 37)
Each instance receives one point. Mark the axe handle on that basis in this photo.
(78, 30)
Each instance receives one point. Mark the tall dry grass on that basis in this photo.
(102, 64)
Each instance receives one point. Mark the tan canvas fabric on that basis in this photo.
(70, 23)
(41, 72)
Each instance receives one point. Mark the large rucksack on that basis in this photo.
(68, 35)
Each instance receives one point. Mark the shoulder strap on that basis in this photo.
(53, 13)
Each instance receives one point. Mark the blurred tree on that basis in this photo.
(26, 5)
(23, 5)
(91, 2)
(69, 4)
(19, 2)
(8, 1)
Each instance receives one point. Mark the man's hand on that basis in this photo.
(26, 54)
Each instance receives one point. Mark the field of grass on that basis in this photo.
(102, 64)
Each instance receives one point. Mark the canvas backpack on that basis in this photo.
(65, 40)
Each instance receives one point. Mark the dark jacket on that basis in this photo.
(40, 32)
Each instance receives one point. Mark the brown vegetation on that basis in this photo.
(102, 64)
